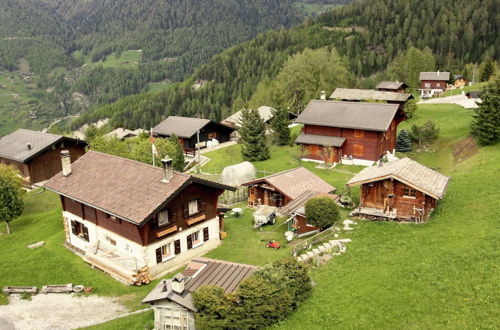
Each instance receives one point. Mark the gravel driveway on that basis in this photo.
(455, 99)
(57, 311)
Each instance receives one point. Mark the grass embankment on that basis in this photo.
(457, 91)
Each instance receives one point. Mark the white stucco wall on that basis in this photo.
(146, 255)
(168, 308)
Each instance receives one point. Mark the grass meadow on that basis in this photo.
(441, 274)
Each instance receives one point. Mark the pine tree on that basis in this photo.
(177, 154)
(485, 126)
(253, 136)
(403, 142)
(279, 124)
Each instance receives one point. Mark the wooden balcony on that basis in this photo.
(166, 231)
(196, 219)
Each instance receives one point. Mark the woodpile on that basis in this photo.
(143, 276)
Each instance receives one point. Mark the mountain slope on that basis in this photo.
(357, 31)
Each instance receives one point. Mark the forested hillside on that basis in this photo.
(369, 34)
(70, 51)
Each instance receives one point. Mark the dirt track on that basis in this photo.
(57, 312)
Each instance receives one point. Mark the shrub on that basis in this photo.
(322, 212)
(425, 133)
(266, 297)
(403, 142)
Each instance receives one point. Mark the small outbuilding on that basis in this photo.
(392, 86)
(172, 301)
(123, 133)
(193, 132)
(36, 154)
(281, 188)
(399, 190)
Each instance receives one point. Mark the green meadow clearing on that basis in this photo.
(441, 274)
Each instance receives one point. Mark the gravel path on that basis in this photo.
(455, 99)
(57, 312)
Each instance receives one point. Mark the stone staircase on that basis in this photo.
(326, 247)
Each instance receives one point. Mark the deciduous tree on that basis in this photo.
(322, 212)
(11, 195)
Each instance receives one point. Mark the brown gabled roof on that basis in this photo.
(355, 115)
(128, 189)
(353, 94)
(390, 85)
(200, 272)
(15, 145)
(407, 171)
(295, 182)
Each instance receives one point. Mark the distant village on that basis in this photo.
(139, 222)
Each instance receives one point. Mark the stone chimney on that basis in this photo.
(438, 72)
(66, 162)
(322, 95)
(167, 169)
(178, 283)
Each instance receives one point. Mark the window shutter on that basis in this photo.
(205, 234)
(201, 205)
(189, 242)
(185, 210)
(177, 246)
(85, 233)
(158, 255)
(74, 227)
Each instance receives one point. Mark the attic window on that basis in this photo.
(410, 193)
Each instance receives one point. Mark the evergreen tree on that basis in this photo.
(253, 136)
(488, 69)
(279, 124)
(485, 126)
(403, 142)
(177, 153)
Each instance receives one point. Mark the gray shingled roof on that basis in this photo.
(439, 76)
(353, 94)
(322, 140)
(183, 127)
(265, 112)
(15, 145)
(356, 115)
(295, 182)
(122, 187)
(200, 272)
(390, 85)
(407, 171)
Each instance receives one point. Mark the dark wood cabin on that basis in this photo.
(191, 130)
(399, 190)
(155, 219)
(473, 95)
(392, 86)
(358, 130)
(37, 155)
(433, 83)
(281, 188)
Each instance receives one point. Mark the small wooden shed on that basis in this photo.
(281, 188)
(399, 190)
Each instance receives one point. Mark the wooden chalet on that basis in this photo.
(296, 213)
(172, 300)
(193, 132)
(459, 81)
(37, 155)
(234, 121)
(133, 220)
(399, 190)
(336, 131)
(357, 95)
(281, 188)
(392, 86)
(433, 83)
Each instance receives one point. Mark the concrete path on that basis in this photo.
(461, 100)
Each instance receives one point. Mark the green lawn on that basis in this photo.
(441, 274)
(126, 59)
(475, 87)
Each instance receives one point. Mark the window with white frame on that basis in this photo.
(193, 207)
(196, 238)
(167, 251)
(438, 84)
(427, 85)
